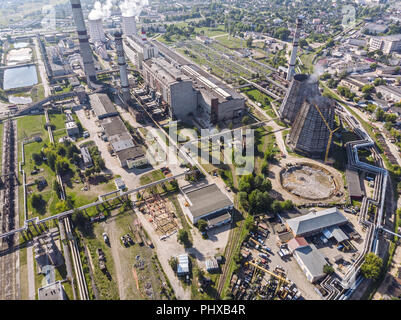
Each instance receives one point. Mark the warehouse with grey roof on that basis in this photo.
(209, 203)
(315, 222)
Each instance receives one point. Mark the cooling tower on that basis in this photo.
(300, 88)
(86, 52)
(96, 31)
(309, 134)
(129, 26)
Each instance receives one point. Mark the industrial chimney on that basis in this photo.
(86, 52)
(143, 35)
(291, 68)
(123, 66)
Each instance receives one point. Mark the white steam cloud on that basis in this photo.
(132, 8)
(101, 10)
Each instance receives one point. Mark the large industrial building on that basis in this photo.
(174, 87)
(316, 222)
(387, 44)
(209, 203)
(102, 106)
(187, 90)
(189, 93)
(138, 49)
(128, 153)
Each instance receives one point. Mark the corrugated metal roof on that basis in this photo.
(207, 200)
(316, 220)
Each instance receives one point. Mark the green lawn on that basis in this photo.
(210, 32)
(58, 120)
(152, 176)
(231, 42)
(257, 96)
(29, 126)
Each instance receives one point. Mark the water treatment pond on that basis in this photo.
(20, 77)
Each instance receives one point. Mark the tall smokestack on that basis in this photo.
(291, 68)
(86, 52)
(123, 66)
(143, 35)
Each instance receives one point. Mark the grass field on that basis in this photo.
(231, 42)
(257, 96)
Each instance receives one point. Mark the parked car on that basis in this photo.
(106, 238)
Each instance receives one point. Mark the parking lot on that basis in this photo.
(292, 270)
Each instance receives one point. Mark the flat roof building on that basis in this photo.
(72, 128)
(311, 261)
(387, 44)
(129, 154)
(86, 157)
(53, 291)
(208, 203)
(354, 184)
(102, 106)
(183, 265)
(390, 93)
(316, 222)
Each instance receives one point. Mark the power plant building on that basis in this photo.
(139, 49)
(174, 87)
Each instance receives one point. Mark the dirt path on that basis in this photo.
(137, 282)
(111, 229)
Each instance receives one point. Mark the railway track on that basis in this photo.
(9, 256)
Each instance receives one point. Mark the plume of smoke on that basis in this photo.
(318, 70)
(101, 10)
(132, 8)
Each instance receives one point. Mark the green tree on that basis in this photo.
(249, 42)
(276, 206)
(183, 238)
(380, 114)
(173, 263)
(246, 120)
(328, 269)
(202, 225)
(243, 199)
(37, 201)
(37, 158)
(371, 266)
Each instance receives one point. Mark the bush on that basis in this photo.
(183, 238)
(371, 266)
(173, 263)
(202, 225)
(328, 269)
